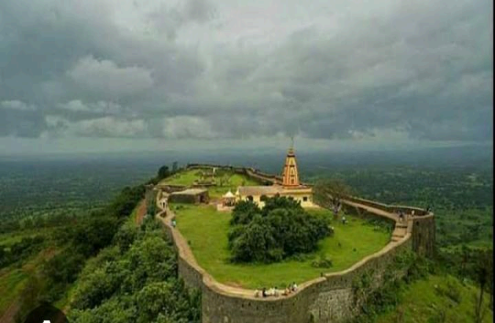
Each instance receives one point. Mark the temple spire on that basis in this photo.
(290, 174)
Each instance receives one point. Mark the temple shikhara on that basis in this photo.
(289, 186)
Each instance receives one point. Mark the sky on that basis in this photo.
(123, 75)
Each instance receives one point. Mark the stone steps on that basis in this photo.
(399, 233)
(401, 225)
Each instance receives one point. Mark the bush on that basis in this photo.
(322, 262)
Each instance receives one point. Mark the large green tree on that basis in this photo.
(163, 172)
(279, 230)
(331, 190)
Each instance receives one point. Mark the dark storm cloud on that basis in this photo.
(199, 69)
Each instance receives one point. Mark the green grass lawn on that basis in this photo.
(206, 230)
(188, 177)
(235, 181)
(421, 302)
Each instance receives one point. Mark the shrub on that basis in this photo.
(322, 262)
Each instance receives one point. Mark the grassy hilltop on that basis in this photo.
(209, 244)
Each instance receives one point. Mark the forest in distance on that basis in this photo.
(449, 179)
(41, 199)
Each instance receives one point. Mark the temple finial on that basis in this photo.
(291, 142)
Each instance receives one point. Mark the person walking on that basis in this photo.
(294, 286)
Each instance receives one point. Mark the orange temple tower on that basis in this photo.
(289, 186)
(290, 175)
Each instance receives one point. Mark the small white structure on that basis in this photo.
(228, 199)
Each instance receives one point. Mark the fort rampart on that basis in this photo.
(328, 298)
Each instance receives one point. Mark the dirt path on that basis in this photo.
(141, 212)
(8, 315)
(28, 268)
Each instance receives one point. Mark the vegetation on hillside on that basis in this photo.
(427, 293)
(20, 251)
(435, 298)
(134, 280)
(75, 244)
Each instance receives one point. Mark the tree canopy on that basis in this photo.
(137, 284)
(279, 230)
(333, 189)
(163, 172)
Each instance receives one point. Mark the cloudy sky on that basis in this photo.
(101, 75)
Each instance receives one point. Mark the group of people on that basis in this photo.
(274, 291)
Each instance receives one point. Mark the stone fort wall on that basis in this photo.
(329, 298)
(251, 172)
